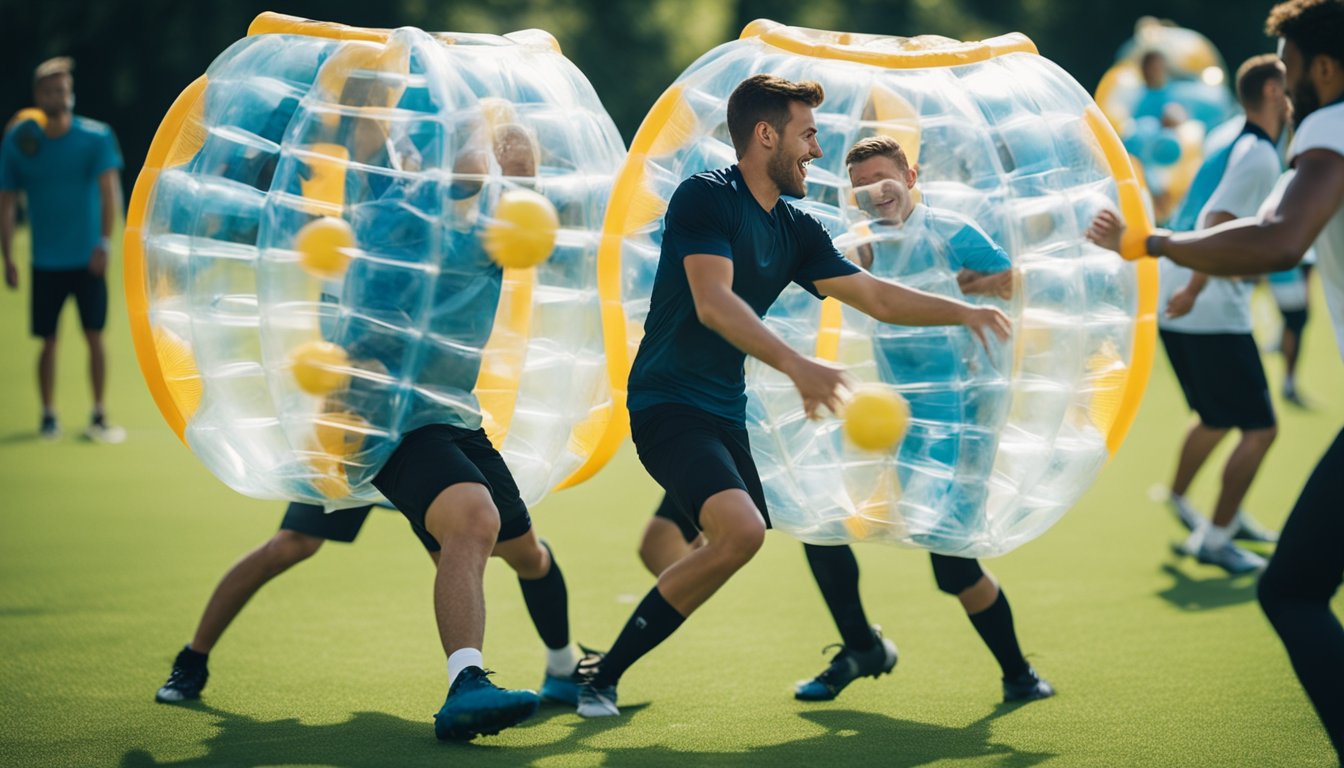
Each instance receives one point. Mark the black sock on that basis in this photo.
(837, 574)
(995, 625)
(192, 658)
(652, 622)
(548, 603)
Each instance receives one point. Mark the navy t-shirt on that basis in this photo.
(682, 361)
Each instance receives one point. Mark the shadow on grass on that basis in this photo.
(19, 438)
(374, 740)
(1195, 594)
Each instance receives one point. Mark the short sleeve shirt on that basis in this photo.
(1324, 130)
(1224, 306)
(714, 213)
(60, 177)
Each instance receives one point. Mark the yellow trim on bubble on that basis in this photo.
(920, 53)
(173, 141)
(1132, 245)
(505, 353)
(624, 208)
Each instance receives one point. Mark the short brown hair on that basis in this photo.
(877, 146)
(1315, 26)
(60, 65)
(1252, 76)
(766, 98)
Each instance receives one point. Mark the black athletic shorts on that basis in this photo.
(1222, 378)
(668, 510)
(432, 458)
(1294, 320)
(51, 287)
(338, 525)
(693, 455)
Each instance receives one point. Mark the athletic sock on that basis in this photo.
(1217, 537)
(192, 656)
(560, 662)
(837, 574)
(995, 625)
(653, 621)
(548, 603)
(461, 659)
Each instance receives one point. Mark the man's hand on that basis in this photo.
(11, 275)
(819, 383)
(1181, 302)
(1106, 229)
(982, 320)
(98, 260)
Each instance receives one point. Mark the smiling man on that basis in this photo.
(730, 247)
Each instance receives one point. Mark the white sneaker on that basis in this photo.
(104, 433)
(1250, 530)
(1232, 559)
(597, 702)
(1187, 514)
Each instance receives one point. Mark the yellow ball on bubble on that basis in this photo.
(876, 418)
(323, 246)
(522, 232)
(320, 367)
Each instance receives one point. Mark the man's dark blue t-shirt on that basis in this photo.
(682, 361)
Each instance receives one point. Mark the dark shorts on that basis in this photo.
(51, 287)
(693, 455)
(1294, 320)
(1222, 378)
(955, 575)
(432, 458)
(338, 525)
(669, 511)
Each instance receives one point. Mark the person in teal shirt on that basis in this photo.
(67, 166)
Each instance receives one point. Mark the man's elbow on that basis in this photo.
(708, 315)
(1286, 258)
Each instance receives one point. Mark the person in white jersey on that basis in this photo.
(1206, 330)
(1308, 565)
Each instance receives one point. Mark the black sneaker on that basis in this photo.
(1027, 686)
(187, 678)
(50, 429)
(848, 666)
(475, 706)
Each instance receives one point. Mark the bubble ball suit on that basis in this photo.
(341, 235)
(999, 444)
(1165, 128)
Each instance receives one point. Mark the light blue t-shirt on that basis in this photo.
(60, 177)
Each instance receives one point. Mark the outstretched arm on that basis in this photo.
(724, 312)
(896, 304)
(1273, 242)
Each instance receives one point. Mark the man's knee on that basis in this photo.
(955, 575)
(289, 547)
(740, 540)
(464, 515)
(1262, 437)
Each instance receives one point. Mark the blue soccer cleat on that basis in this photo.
(848, 666)
(475, 706)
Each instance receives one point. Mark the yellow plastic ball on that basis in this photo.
(323, 246)
(320, 367)
(876, 419)
(522, 233)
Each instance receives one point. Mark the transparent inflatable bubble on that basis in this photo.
(1165, 128)
(342, 235)
(1014, 161)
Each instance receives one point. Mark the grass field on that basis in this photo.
(107, 554)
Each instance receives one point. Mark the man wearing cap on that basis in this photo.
(67, 166)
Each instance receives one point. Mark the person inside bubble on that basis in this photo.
(952, 425)
(1156, 100)
(417, 370)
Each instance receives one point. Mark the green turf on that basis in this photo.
(107, 554)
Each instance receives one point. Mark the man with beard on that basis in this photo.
(1308, 565)
(68, 168)
(730, 247)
